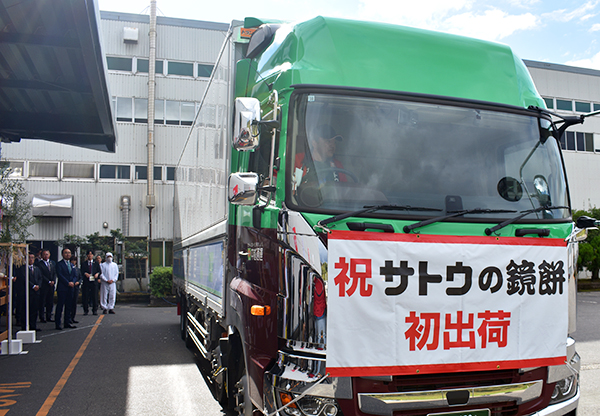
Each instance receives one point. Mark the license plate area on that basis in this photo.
(482, 412)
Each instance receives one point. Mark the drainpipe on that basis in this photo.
(125, 209)
(150, 200)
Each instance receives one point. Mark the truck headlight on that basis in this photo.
(565, 389)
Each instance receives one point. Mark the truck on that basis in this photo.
(375, 220)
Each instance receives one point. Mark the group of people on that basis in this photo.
(64, 276)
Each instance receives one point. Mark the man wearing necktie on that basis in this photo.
(91, 274)
(46, 302)
(66, 278)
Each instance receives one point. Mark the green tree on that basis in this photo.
(99, 243)
(72, 242)
(589, 250)
(17, 215)
(135, 250)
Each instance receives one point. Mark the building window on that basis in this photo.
(161, 253)
(549, 103)
(204, 71)
(159, 111)
(114, 172)
(570, 140)
(580, 140)
(596, 106)
(188, 111)
(141, 173)
(173, 112)
(141, 110)
(180, 68)
(564, 105)
(78, 170)
(123, 109)
(43, 170)
(170, 173)
(16, 169)
(119, 64)
(583, 107)
(143, 66)
(135, 268)
(589, 142)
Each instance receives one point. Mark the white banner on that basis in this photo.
(415, 304)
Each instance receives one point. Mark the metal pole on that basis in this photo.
(150, 199)
(27, 289)
(10, 297)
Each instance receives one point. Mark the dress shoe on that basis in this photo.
(43, 321)
(70, 326)
(111, 311)
(50, 320)
(38, 329)
(85, 314)
(58, 328)
(94, 313)
(74, 322)
(104, 311)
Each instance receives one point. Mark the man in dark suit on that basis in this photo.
(77, 281)
(35, 282)
(48, 269)
(65, 278)
(91, 274)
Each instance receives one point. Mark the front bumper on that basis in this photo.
(300, 376)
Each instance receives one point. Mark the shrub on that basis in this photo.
(161, 281)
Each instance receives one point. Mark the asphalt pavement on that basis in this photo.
(131, 363)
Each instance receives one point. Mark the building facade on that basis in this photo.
(572, 91)
(92, 191)
(103, 191)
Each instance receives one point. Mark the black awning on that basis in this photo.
(53, 82)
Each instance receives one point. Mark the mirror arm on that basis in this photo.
(270, 124)
(568, 122)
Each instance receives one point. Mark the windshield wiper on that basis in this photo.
(490, 231)
(371, 208)
(409, 228)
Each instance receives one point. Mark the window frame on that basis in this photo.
(122, 58)
(79, 179)
(115, 179)
(53, 178)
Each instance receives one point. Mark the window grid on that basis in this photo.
(140, 65)
(178, 113)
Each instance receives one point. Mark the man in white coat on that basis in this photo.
(108, 290)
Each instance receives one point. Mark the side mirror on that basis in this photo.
(587, 222)
(243, 188)
(246, 128)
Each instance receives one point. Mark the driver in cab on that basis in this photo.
(319, 164)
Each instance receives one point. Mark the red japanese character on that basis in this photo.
(494, 328)
(430, 328)
(459, 327)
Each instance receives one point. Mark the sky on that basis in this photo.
(556, 31)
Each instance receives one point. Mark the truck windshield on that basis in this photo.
(348, 152)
